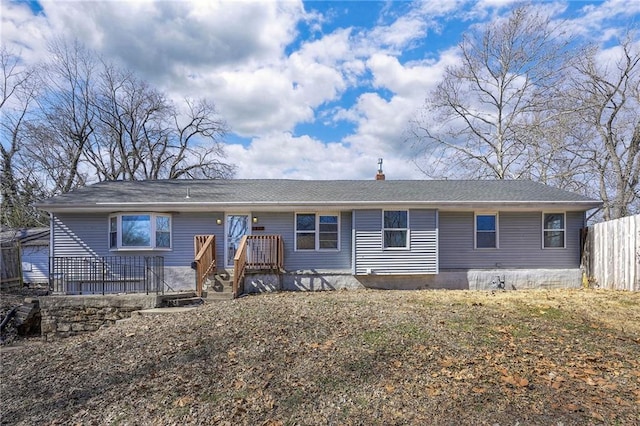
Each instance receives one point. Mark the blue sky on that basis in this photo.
(310, 90)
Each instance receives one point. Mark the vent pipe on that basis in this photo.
(380, 175)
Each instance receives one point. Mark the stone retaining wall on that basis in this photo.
(63, 316)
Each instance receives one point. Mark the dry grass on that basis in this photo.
(348, 357)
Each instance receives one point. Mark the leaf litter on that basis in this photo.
(569, 357)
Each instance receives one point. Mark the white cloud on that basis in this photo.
(23, 32)
(281, 155)
(245, 56)
(596, 20)
(382, 123)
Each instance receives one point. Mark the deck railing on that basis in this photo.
(259, 253)
(107, 274)
(205, 260)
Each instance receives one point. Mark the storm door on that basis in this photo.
(237, 226)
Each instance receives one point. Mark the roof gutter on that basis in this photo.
(327, 205)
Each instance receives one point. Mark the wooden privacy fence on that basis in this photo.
(10, 266)
(611, 256)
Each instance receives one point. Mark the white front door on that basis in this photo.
(237, 226)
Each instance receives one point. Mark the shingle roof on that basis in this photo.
(27, 237)
(265, 192)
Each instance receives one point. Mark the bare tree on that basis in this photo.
(143, 135)
(196, 151)
(98, 121)
(606, 100)
(485, 118)
(132, 121)
(65, 125)
(18, 92)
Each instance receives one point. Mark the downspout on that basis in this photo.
(353, 242)
(437, 241)
(51, 249)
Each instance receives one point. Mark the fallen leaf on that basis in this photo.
(447, 362)
(433, 391)
(183, 401)
(515, 380)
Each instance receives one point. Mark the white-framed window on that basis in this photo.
(136, 231)
(486, 230)
(395, 229)
(317, 231)
(554, 230)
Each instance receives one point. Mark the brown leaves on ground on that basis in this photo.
(345, 357)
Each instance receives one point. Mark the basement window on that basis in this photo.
(140, 231)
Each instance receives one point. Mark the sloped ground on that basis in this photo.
(347, 357)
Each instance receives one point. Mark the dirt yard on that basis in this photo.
(345, 357)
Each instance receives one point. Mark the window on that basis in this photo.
(395, 229)
(553, 230)
(487, 230)
(328, 232)
(140, 231)
(113, 232)
(317, 231)
(163, 232)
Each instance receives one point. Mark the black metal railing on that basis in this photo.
(107, 275)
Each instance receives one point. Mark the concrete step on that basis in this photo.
(215, 296)
(163, 311)
(186, 301)
(179, 299)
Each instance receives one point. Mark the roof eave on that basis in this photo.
(193, 206)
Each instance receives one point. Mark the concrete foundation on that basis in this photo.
(476, 279)
(180, 278)
(519, 279)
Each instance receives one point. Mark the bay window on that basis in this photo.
(140, 231)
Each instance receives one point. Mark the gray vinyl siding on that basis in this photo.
(284, 224)
(519, 242)
(87, 235)
(420, 258)
(80, 235)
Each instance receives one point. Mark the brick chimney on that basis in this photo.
(380, 175)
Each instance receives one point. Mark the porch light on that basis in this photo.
(219, 221)
(255, 219)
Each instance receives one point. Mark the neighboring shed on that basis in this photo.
(25, 253)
